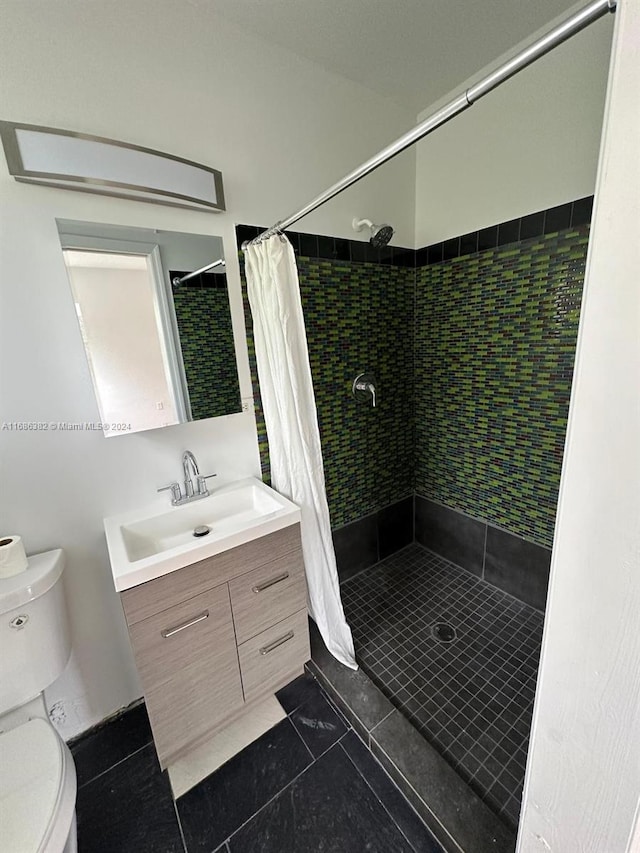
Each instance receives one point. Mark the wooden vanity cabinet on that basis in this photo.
(215, 636)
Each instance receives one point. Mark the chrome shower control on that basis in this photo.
(364, 385)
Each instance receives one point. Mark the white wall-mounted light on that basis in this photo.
(77, 161)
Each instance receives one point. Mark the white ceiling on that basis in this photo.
(412, 50)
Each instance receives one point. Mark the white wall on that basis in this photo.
(180, 80)
(583, 777)
(529, 145)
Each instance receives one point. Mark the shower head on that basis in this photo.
(380, 234)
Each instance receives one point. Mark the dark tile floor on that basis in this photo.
(472, 698)
(309, 785)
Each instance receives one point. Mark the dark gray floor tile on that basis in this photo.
(395, 527)
(451, 534)
(519, 567)
(130, 807)
(318, 724)
(408, 820)
(329, 809)
(356, 546)
(221, 803)
(297, 692)
(419, 769)
(98, 750)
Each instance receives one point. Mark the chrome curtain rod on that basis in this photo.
(572, 25)
(177, 281)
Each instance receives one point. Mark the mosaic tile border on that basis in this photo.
(336, 248)
(549, 221)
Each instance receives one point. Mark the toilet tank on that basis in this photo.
(34, 630)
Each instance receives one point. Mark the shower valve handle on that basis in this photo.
(372, 390)
(365, 382)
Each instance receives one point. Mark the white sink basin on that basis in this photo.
(147, 543)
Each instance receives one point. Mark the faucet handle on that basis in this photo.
(174, 488)
(201, 482)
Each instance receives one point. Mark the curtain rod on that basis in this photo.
(572, 25)
(177, 281)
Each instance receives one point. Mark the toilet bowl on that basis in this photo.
(37, 790)
(37, 774)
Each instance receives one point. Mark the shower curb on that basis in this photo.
(456, 816)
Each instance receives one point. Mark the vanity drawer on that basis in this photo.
(266, 595)
(194, 631)
(150, 598)
(267, 659)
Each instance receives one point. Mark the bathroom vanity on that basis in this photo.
(214, 626)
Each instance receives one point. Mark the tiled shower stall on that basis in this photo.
(443, 496)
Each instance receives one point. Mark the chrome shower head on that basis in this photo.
(380, 234)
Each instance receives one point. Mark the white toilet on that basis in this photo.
(37, 775)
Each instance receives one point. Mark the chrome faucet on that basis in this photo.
(189, 461)
(191, 493)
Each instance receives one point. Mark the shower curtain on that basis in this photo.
(292, 426)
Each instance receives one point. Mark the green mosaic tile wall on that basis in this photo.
(208, 353)
(358, 317)
(495, 337)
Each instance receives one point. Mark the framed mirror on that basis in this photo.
(160, 347)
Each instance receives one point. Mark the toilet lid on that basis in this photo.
(31, 772)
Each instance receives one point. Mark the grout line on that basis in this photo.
(117, 764)
(175, 808)
(386, 716)
(422, 800)
(313, 758)
(379, 798)
(340, 714)
(271, 799)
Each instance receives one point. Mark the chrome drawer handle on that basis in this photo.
(274, 645)
(262, 586)
(169, 632)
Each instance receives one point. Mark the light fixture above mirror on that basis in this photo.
(77, 161)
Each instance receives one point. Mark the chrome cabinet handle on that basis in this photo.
(260, 587)
(169, 632)
(274, 645)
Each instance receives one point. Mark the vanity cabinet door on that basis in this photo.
(187, 660)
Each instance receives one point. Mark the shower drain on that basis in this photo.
(443, 632)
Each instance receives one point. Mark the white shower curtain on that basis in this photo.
(290, 415)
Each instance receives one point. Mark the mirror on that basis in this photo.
(160, 352)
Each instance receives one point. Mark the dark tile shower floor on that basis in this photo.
(472, 697)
